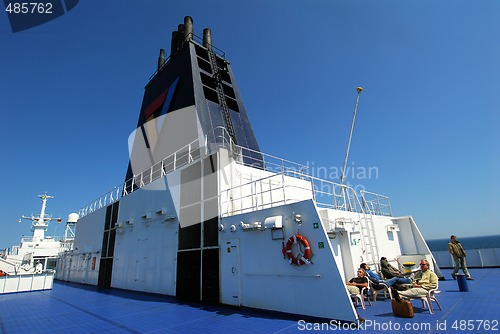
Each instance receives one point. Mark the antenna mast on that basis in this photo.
(342, 177)
(41, 222)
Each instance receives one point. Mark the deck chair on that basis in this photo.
(428, 299)
(375, 292)
(361, 296)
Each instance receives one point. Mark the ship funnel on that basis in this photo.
(188, 29)
(207, 38)
(161, 58)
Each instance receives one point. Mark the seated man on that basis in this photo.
(371, 274)
(376, 280)
(388, 270)
(356, 284)
(425, 281)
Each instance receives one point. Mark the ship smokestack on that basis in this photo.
(188, 29)
(161, 59)
(173, 43)
(183, 34)
(207, 38)
(180, 35)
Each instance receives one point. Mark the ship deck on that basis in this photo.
(84, 309)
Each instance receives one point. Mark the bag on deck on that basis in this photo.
(403, 308)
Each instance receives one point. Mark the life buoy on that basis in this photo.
(300, 259)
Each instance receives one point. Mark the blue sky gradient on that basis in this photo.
(428, 120)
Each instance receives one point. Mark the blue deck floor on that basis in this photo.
(72, 308)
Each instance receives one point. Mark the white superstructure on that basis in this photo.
(38, 252)
(256, 211)
(204, 215)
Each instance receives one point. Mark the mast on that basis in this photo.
(40, 222)
(342, 177)
(349, 202)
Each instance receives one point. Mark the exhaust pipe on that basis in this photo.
(207, 38)
(183, 33)
(188, 29)
(180, 36)
(173, 43)
(161, 59)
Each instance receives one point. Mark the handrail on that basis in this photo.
(46, 239)
(327, 194)
(377, 205)
(181, 157)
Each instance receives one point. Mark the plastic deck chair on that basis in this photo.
(364, 293)
(386, 290)
(428, 299)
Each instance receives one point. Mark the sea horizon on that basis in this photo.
(480, 242)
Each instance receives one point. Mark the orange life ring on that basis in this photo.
(300, 259)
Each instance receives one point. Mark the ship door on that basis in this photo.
(108, 247)
(230, 265)
(345, 251)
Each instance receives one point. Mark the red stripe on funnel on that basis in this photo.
(155, 104)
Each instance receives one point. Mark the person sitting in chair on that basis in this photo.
(388, 270)
(356, 284)
(376, 280)
(425, 280)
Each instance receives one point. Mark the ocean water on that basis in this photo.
(490, 241)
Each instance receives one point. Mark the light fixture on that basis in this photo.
(298, 219)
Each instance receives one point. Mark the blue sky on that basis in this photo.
(428, 120)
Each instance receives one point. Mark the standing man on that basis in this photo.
(455, 248)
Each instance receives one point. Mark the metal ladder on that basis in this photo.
(220, 94)
(368, 233)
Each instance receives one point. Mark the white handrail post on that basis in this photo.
(206, 145)
(283, 187)
(253, 191)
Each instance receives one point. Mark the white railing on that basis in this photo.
(376, 204)
(326, 193)
(275, 190)
(27, 282)
(183, 156)
(476, 258)
(46, 239)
